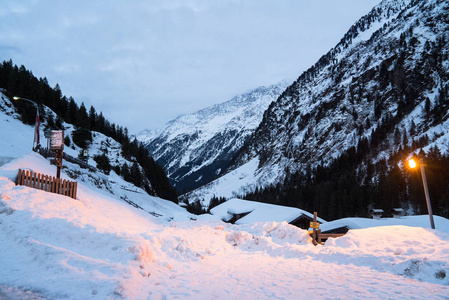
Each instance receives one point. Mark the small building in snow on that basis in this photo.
(376, 213)
(238, 211)
(397, 213)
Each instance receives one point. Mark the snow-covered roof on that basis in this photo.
(441, 224)
(259, 212)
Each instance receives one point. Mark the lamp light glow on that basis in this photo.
(412, 163)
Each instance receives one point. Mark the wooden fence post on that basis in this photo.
(19, 177)
(64, 187)
(75, 189)
(34, 179)
(24, 177)
(27, 178)
(45, 185)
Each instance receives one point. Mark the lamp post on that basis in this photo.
(412, 164)
(36, 126)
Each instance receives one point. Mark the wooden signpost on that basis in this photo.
(314, 225)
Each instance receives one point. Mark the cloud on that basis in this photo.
(145, 62)
(9, 51)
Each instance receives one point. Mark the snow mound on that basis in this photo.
(413, 252)
(268, 236)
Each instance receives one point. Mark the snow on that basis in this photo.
(442, 224)
(259, 212)
(21, 141)
(99, 247)
(229, 185)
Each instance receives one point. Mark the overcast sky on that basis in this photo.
(143, 63)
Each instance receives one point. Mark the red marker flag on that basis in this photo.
(36, 133)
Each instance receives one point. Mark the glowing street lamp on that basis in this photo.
(412, 163)
(36, 127)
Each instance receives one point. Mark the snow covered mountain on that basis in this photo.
(195, 148)
(384, 87)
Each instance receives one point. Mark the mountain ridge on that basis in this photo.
(194, 148)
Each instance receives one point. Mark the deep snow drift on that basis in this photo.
(98, 247)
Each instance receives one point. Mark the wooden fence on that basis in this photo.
(47, 183)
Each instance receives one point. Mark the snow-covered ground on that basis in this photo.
(99, 247)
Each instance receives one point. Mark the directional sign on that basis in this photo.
(315, 225)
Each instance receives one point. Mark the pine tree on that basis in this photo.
(136, 175)
(82, 119)
(92, 118)
(103, 163)
(125, 172)
(427, 107)
(72, 111)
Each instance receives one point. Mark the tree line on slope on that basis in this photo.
(351, 185)
(18, 81)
